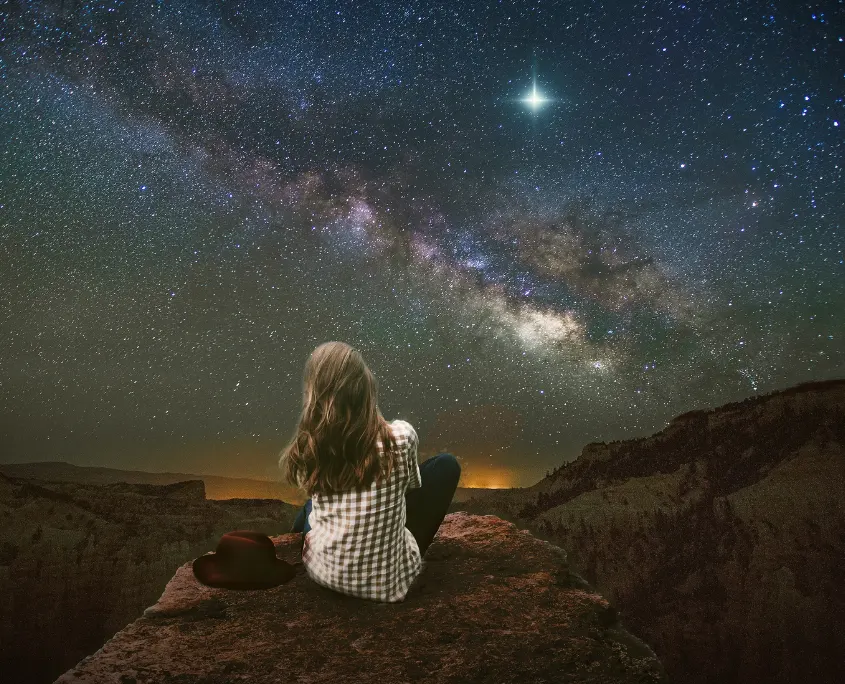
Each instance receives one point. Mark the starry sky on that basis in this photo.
(542, 224)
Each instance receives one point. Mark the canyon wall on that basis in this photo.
(720, 539)
(79, 562)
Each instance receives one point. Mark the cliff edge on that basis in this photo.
(493, 604)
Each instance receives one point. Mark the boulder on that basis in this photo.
(492, 604)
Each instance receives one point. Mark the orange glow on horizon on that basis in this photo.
(253, 465)
(488, 478)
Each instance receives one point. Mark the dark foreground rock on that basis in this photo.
(493, 604)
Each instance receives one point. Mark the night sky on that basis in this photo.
(542, 224)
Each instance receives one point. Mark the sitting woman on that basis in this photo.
(373, 510)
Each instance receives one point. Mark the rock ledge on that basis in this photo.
(493, 604)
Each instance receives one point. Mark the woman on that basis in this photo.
(373, 510)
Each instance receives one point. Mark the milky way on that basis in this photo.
(193, 195)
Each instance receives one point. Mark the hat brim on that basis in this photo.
(208, 571)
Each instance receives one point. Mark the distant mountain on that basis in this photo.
(721, 538)
(216, 487)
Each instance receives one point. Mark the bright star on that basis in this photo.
(535, 100)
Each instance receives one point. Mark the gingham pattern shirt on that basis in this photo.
(358, 543)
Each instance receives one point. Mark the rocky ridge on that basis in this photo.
(720, 539)
(216, 487)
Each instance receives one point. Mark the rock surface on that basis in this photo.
(720, 539)
(493, 604)
(79, 562)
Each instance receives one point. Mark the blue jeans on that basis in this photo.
(426, 506)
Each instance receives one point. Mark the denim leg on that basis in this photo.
(427, 506)
(301, 523)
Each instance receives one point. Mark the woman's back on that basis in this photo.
(358, 543)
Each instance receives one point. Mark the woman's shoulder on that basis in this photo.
(403, 431)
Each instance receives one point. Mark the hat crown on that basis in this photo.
(244, 547)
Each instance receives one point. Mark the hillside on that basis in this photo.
(719, 538)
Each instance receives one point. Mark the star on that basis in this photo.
(535, 100)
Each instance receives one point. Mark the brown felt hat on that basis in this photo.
(244, 559)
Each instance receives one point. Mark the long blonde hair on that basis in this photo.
(333, 448)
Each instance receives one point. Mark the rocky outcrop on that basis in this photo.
(492, 604)
(79, 562)
(720, 538)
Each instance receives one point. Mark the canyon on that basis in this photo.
(78, 562)
(717, 541)
(720, 539)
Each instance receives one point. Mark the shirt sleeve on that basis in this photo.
(414, 477)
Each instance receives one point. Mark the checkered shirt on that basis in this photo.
(358, 543)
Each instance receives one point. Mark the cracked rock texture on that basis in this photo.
(493, 604)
